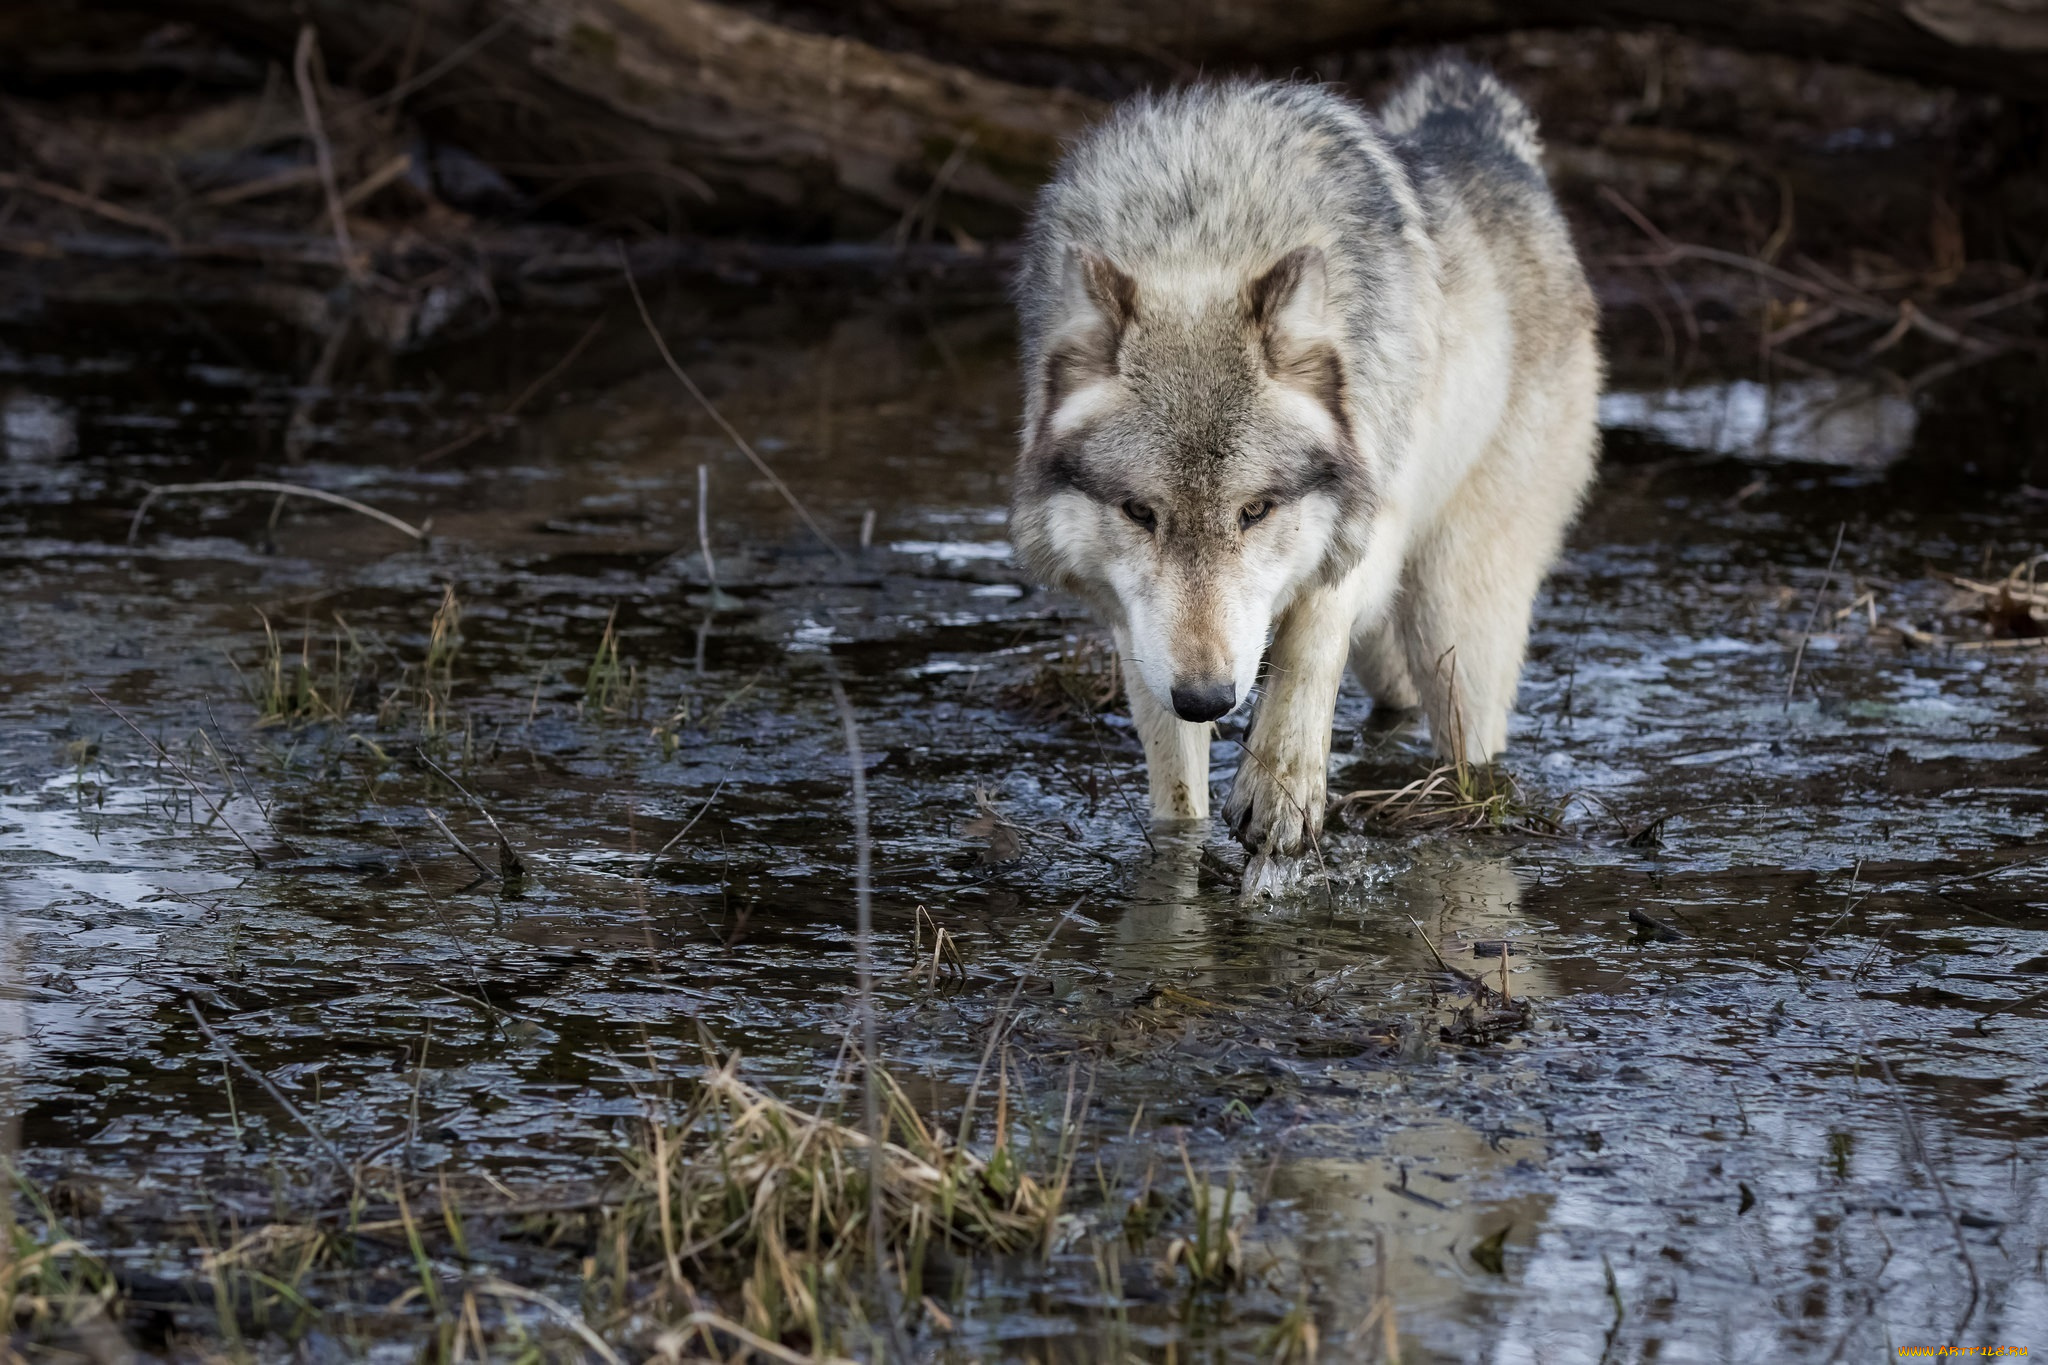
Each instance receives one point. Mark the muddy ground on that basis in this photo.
(1766, 1082)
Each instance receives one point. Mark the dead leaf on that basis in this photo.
(1005, 840)
(2012, 620)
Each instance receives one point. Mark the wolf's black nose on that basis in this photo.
(1204, 700)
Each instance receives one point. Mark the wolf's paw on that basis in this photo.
(1274, 807)
(1267, 875)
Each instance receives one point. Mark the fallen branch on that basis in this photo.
(1928, 640)
(295, 490)
(78, 199)
(1657, 928)
(2018, 590)
(1838, 295)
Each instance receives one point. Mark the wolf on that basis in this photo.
(1311, 386)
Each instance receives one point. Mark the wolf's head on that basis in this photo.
(1188, 463)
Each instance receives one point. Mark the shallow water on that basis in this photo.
(1801, 1130)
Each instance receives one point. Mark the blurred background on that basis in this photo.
(1852, 196)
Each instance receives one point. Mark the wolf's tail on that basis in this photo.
(1455, 89)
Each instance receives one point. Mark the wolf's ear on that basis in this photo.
(1097, 301)
(1290, 303)
(1289, 308)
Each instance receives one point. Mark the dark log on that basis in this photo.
(703, 113)
(1994, 45)
(862, 118)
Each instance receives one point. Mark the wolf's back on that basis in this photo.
(1453, 104)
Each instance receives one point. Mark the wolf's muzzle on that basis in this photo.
(1204, 700)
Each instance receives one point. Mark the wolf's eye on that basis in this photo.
(1253, 512)
(1140, 513)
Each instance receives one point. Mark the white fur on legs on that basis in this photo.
(1176, 752)
(1473, 579)
(1381, 666)
(1276, 804)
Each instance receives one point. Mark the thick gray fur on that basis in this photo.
(1292, 370)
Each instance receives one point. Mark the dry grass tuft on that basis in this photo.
(1452, 798)
(770, 1204)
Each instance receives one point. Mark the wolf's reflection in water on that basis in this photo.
(1362, 924)
(1387, 1192)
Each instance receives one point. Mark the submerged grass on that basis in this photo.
(331, 682)
(1453, 797)
(769, 1204)
(1212, 1250)
(737, 1227)
(611, 686)
(316, 686)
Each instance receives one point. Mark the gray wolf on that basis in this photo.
(1311, 386)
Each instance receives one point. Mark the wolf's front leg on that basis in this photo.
(1176, 751)
(1276, 806)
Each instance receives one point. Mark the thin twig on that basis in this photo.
(291, 178)
(431, 74)
(563, 1314)
(476, 977)
(1906, 1121)
(1846, 911)
(504, 844)
(704, 528)
(327, 1148)
(1005, 1014)
(864, 950)
(298, 428)
(462, 848)
(78, 199)
(1840, 295)
(731, 432)
(925, 208)
(294, 490)
(678, 836)
(2026, 293)
(181, 771)
(1463, 976)
(1144, 825)
(755, 1341)
(361, 192)
(323, 152)
(1812, 616)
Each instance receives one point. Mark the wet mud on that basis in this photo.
(1735, 1054)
